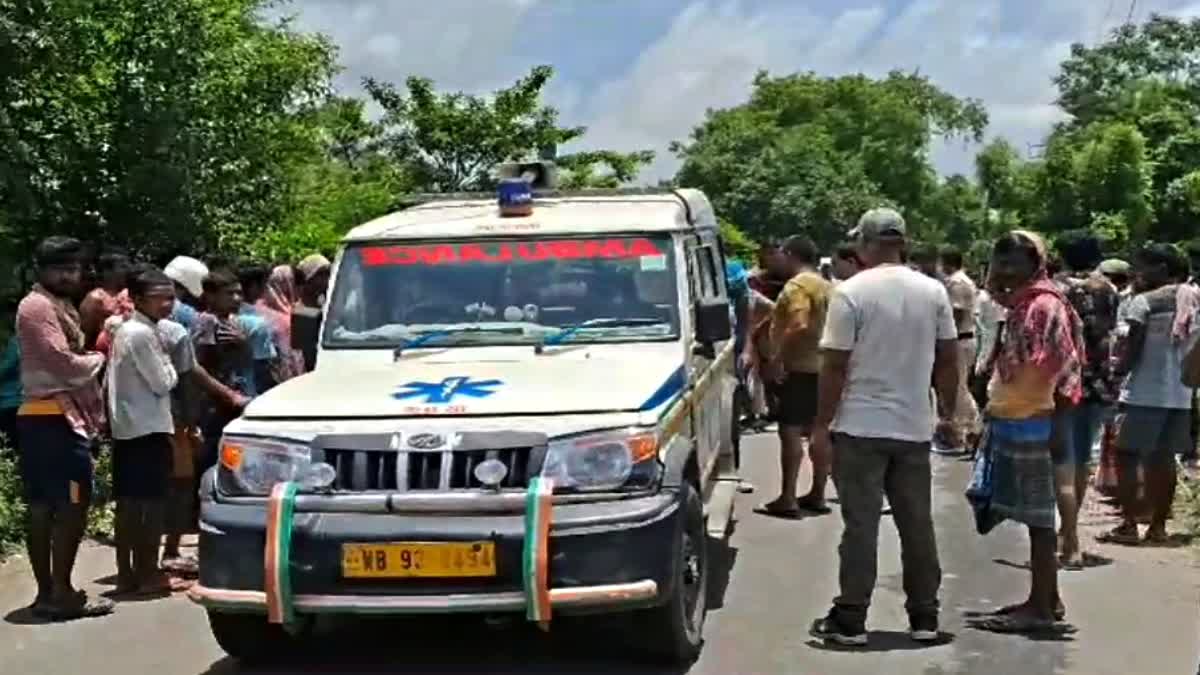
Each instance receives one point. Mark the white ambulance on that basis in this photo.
(521, 405)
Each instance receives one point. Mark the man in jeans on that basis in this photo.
(1095, 300)
(887, 330)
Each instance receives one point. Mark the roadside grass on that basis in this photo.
(12, 505)
(1187, 506)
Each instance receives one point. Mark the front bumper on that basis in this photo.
(602, 556)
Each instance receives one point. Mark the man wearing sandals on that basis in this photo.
(1095, 300)
(1154, 421)
(140, 380)
(1037, 377)
(791, 369)
(58, 425)
(888, 330)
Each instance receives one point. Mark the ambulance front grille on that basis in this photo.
(403, 471)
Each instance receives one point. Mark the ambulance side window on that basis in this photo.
(693, 269)
(715, 261)
(710, 285)
(691, 245)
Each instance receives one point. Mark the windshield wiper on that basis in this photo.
(568, 332)
(432, 335)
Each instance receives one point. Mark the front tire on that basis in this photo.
(251, 640)
(673, 632)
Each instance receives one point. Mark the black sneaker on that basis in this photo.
(923, 627)
(834, 628)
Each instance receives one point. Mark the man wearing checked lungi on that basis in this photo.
(1037, 373)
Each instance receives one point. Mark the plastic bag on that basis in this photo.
(980, 488)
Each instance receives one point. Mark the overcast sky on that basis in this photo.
(640, 73)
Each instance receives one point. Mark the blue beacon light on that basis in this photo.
(515, 197)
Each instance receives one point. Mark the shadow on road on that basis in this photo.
(722, 557)
(884, 641)
(24, 616)
(461, 645)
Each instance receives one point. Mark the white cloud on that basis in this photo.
(1004, 52)
(461, 44)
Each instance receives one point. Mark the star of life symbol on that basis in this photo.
(446, 390)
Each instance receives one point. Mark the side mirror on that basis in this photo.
(712, 321)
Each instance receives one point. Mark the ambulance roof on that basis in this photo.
(554, 213)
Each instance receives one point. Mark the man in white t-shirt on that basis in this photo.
(887, 331)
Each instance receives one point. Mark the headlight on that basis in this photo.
(603, 461)
(252, 466)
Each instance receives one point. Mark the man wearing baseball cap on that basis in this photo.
(887, 330)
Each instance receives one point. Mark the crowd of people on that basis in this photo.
(1050, 370)
(869, 362)
(157, 362)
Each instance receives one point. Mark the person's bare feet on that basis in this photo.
(156, 584)
(1071, 555)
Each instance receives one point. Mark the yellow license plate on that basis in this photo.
(416, 559)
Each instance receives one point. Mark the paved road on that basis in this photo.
(1137, 615)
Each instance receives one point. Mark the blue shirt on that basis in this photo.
(737, 283)
(737, 280)
(184, 315)
(10, 376)
(258, 333)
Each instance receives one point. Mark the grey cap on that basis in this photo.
(880, 223)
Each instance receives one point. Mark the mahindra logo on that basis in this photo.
(426, 441)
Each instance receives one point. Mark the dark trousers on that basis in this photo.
(1193, 453)
(8, 427)
(863, 470)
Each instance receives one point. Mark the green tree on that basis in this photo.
(1115, 182)
(154, 124)
(1094, 81)
(738, 245)
(452, 141)
(954, 212)
(345, 183)
(810, 154)
(601, 168)
(1144, 78)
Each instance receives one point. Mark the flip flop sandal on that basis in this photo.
(160, 586)
(1011, 624)
(188, 566)
(1059, 612)
(40, 608)
(1118, 537)
(1086, 561)
(82, 608)
(778, 512)
(121, 591)
(1077, 565)
(179, 585)
(1156, 539)
(813, 506)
